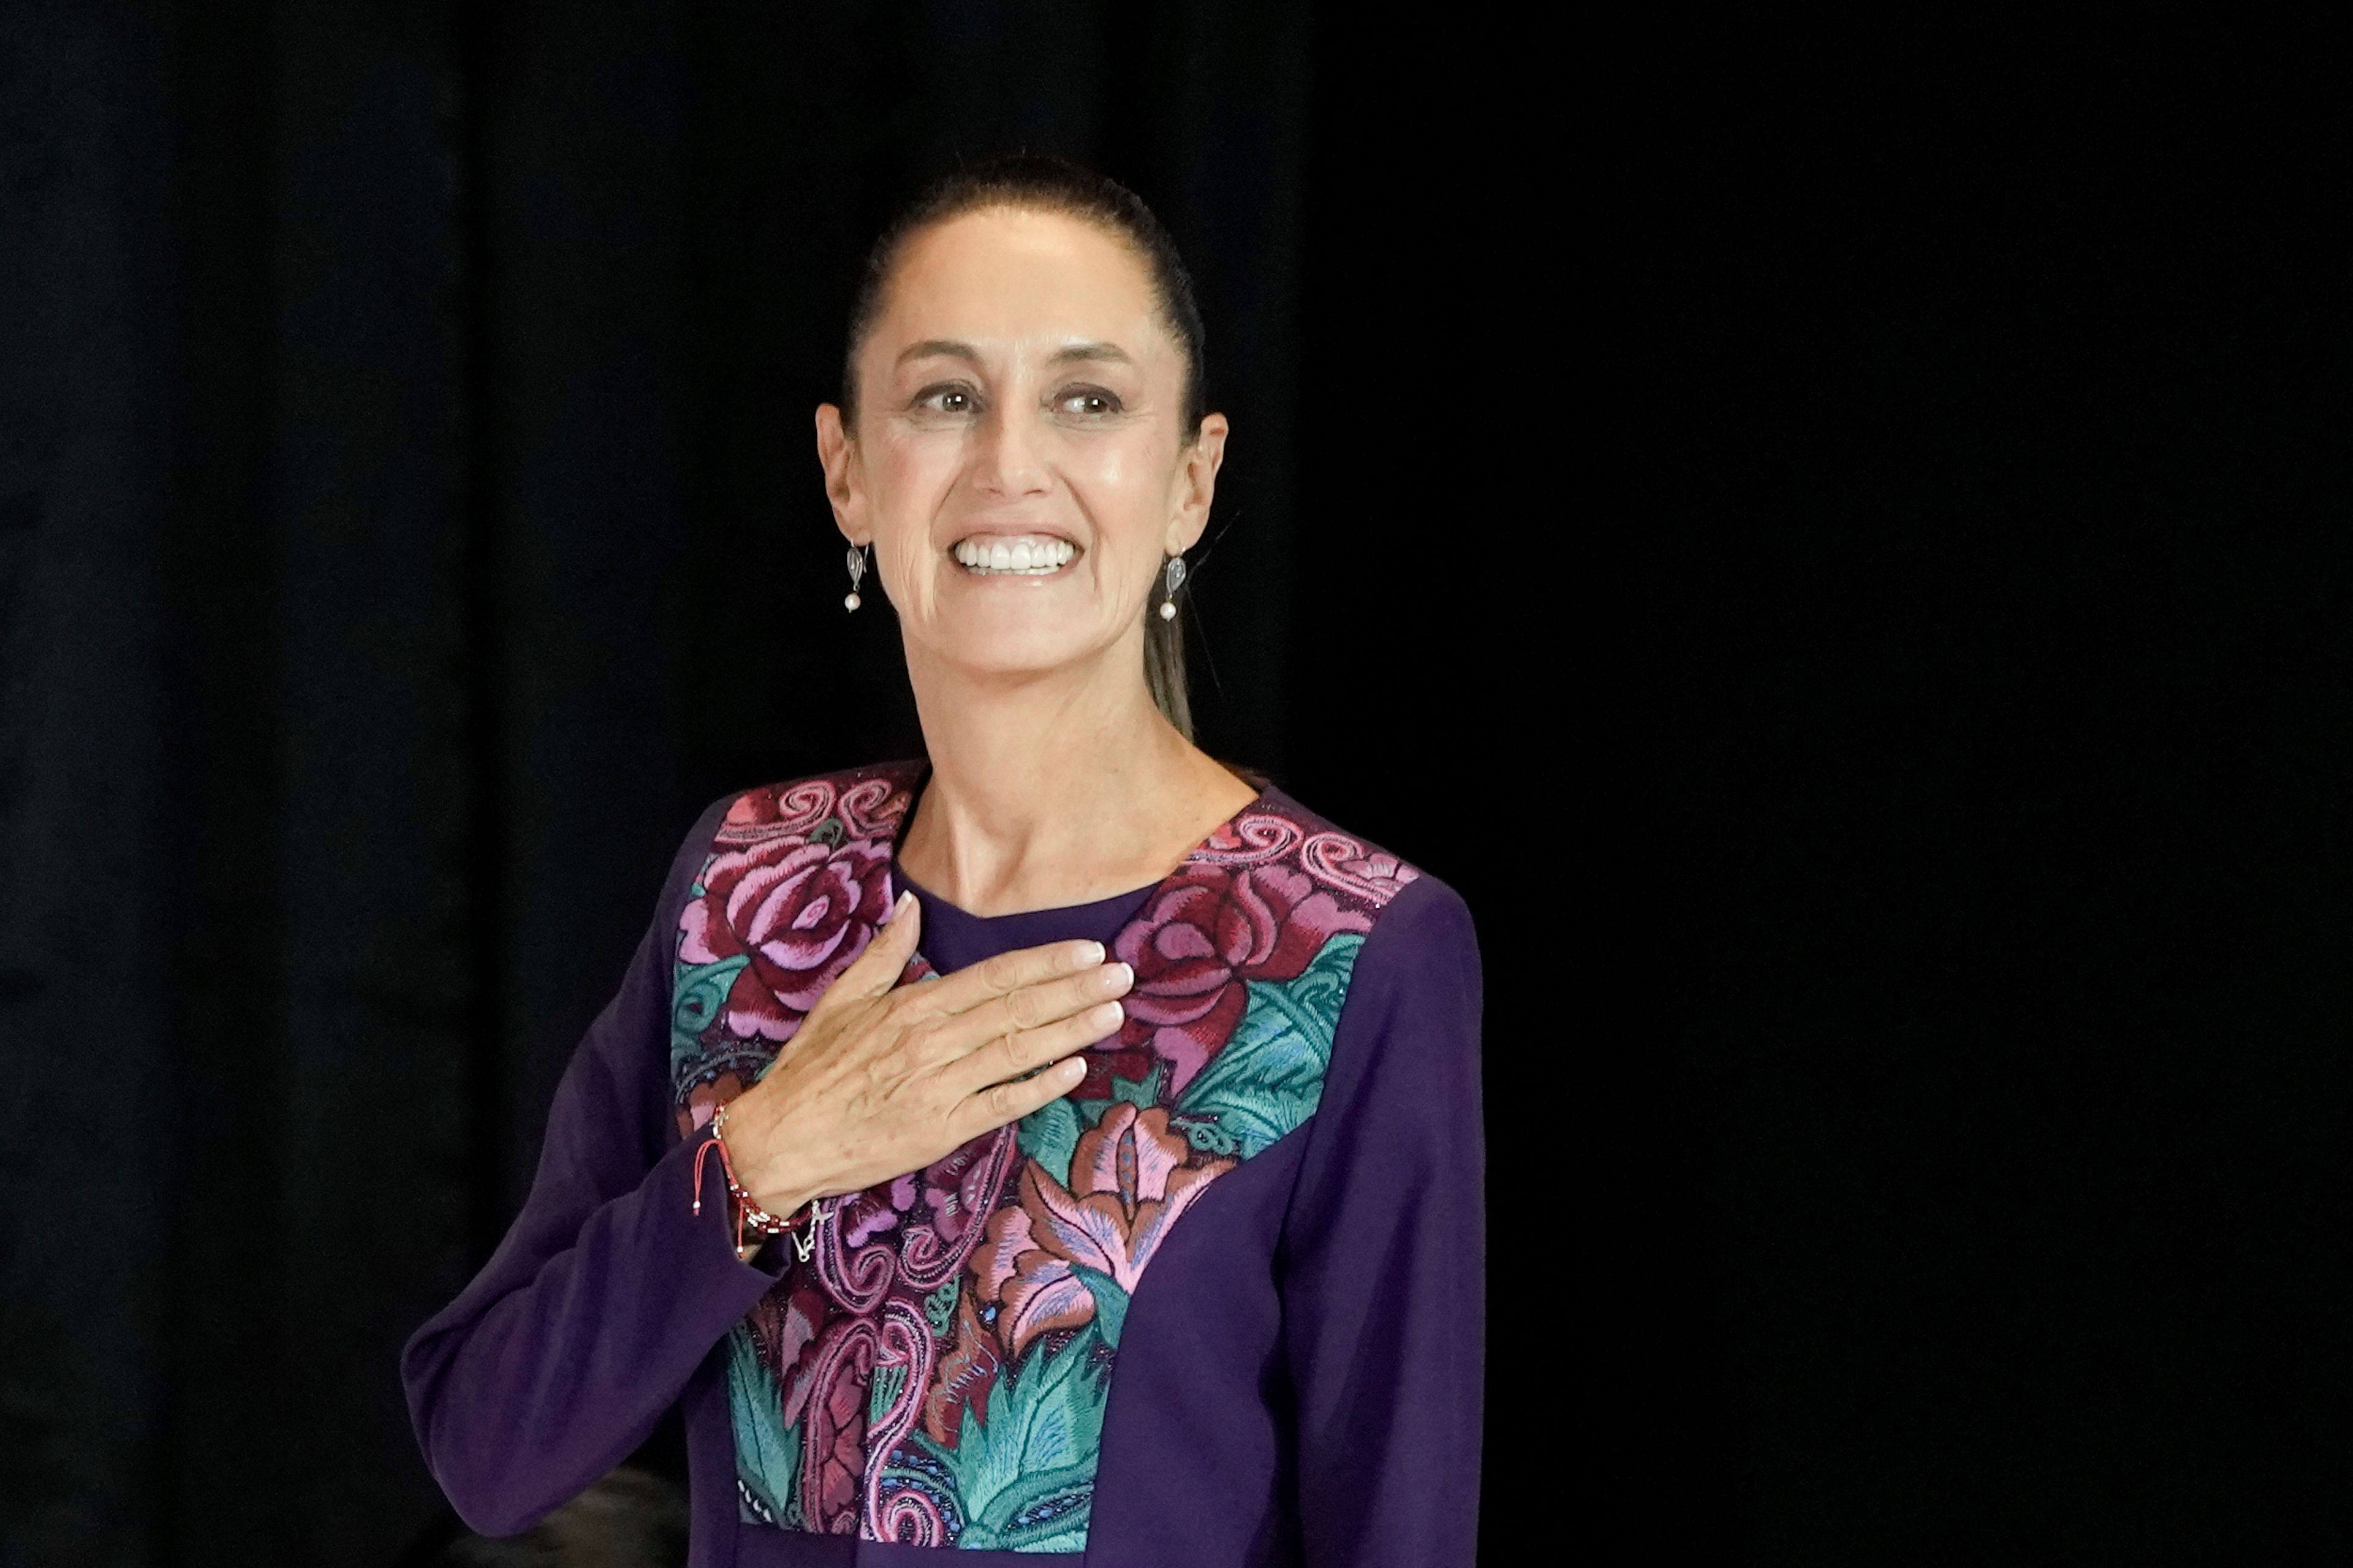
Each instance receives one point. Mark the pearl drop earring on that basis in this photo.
(857, 575)
(1174, 575)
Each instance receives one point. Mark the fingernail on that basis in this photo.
(1092, 952)
(1117, 976)
(1073, 1069)
(1106, 1015)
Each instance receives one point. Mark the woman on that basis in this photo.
(1062, 1145)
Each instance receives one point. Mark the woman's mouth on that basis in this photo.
(1014, 554)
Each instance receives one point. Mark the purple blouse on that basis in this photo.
(1297, 1380)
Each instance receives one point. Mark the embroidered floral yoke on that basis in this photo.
(973, 1357)
(936, 1373)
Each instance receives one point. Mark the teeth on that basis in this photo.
(1031, 555)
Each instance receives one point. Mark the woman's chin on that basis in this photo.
(1014, 648)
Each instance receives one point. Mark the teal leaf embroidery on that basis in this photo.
(1268, 1077)
(1025, 1477)
(1206, 1136)
(1142, 1093)
(1111, 1302)
(1049, 1135)
(767, 1451)
(883, 1392)
(939, 1308)
(698, 995)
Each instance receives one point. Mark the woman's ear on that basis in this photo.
(1197, 484)
(838, 454)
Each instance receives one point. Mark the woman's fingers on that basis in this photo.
(987, 1045)
(1031, 1008)
(1017, 1052)
(877, 970)
(1002, 975)
(1010, 1101)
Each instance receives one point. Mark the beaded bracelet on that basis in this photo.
(749, 1215)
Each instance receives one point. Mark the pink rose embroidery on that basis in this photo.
(1209, 930)
(801, 911)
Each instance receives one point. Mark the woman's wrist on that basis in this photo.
(765, 1192)
(777, 1191)
(754, 1222)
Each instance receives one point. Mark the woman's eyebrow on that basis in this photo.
(932, 348)
(949, 348)
(1076, 352)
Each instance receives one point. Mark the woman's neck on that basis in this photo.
(1060, 789)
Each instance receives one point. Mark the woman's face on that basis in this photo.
(1019, 463)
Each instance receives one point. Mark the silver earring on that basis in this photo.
(1174, 575)
(857, 575)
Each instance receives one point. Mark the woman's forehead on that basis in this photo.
(1017, 278)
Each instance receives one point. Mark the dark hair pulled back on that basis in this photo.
(1043, 183)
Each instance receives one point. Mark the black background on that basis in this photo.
(1832, 539)
(1992, 609)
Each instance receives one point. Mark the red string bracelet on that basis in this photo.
(749, 1215)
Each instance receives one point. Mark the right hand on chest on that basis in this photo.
(883, 1079)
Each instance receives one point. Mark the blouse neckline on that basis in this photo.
(1201, 850)
(1076, 912)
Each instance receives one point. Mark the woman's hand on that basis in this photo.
(883, 1079)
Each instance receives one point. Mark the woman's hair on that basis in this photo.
(1041, 183)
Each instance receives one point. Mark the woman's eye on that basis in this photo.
(947, 400)
(1092, 403)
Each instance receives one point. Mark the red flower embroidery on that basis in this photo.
(802, 911)
(1211, 929)
(1128, 1184)
(968, 1371)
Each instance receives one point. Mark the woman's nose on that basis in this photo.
(1008, 462)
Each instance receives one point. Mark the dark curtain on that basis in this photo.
(407, 507)
(1993, 625)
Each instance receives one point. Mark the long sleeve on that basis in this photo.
(607, 1292)
(1382, 1257)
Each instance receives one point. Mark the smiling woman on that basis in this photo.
(1059, 1143)
(1112, 390)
